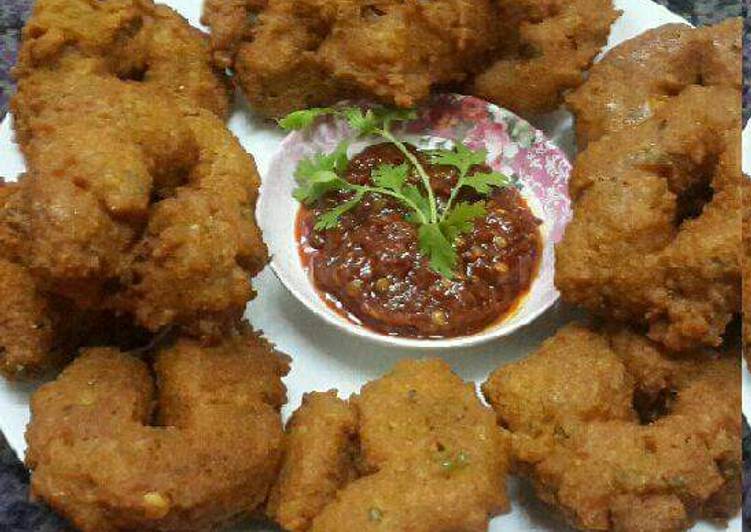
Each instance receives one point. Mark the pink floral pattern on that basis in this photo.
(514, 147)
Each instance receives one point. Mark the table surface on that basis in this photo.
(17, 514)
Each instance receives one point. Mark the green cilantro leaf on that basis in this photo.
(483, 182)
(335, 161)
(461, 218)
(365, 123)
(413, 194)
(318, 185)
(376, 119)
(390, 177)
(319, 175)
(461, 157)
(330, 218)
(437, 248)
(303, 118)
(386, 116)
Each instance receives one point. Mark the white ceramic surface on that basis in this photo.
(324, 357)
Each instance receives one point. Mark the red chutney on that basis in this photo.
(370, 268)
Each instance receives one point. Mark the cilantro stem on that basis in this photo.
(452, 197)
(385, 133)
(385, 192)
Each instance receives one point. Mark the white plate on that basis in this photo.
(323, 357)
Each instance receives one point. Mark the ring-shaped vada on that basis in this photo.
(619, 434)
(110, 448)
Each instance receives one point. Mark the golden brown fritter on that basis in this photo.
(656, 229)
(430, 457)
(318, 459)
(209, 459)
(640, 75)
(168, 224)
(25, 329)
(612, 450)
(543, 51)
(127, 39)
(86, 204)
(201, 245)
(231, 25)
(40, 331)
(140, 200)
(292, 54)
(14, 221)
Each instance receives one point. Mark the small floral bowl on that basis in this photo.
(514, 147)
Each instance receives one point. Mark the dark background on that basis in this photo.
(16, 513)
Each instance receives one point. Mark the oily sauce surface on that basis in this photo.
(370, 268)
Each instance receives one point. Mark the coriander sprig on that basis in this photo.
(317, 177)
(378, 122)
(464, 159)
(436, 231)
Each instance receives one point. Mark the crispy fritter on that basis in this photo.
(140, 200)
(614, 451)
(230, 28)
(14, 221)
(640, 75)
(210, 458)
(656, 228)
(39, 331)
(430, 457)
(25, 328)
(201, 245)
(318, 459)
(129, 39)
(292, 54)
(86, 205)
(544, 49)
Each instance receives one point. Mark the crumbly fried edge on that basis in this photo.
(319, 453)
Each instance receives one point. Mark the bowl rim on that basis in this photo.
(491, 332)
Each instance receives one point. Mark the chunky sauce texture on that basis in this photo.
(369, 267)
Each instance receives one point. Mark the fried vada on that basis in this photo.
(25, 328)
(110, 448)
(131, 40)
(543, 51)
(40, 331)
(290, 55)
(656, 228)
(319, 459)
(619, 434)
(425, 452)
(638, 76)
(140, 201)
